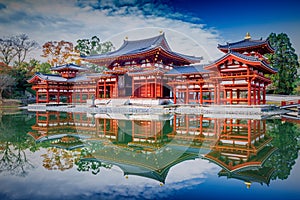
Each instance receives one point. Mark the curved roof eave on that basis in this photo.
(178, 56)
(245, 44)
(248, 59)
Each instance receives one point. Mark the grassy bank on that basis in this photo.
(9, 106)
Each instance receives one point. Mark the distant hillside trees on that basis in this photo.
(285, 60)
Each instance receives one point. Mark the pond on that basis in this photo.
(56, 155)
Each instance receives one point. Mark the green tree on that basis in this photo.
(87, 47)
(93, 46)
(43, 68)
(285, 60)
(21, 76)
(28, 67)
(6, 81)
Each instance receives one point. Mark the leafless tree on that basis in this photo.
(23, 46)
(7, 50)
(16, 48)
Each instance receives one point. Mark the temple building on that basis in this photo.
(66, 86)
(148, 69)
(137, 69)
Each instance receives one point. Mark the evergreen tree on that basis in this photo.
(285, 60)
(93, 46)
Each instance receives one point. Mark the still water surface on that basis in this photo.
(78, 156)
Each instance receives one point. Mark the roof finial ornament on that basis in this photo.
(248, 36)
(161, 32)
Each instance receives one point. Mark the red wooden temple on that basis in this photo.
(149, 69)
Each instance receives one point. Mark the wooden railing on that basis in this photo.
(290, 102)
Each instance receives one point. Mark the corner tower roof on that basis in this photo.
(261, 46)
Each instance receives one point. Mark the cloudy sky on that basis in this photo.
(191, 27)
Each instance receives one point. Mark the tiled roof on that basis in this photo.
(51, 77)
(78, 79)
(246, 43)
(132, 47)
(189, 69)
(58, 78)
(68, 66)
(246, 58)
(141, 46)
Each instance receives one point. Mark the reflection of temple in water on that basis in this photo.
(149, 145)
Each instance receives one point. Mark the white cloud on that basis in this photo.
(62, 20)
(108, 184)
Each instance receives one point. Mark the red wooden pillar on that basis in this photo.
(155, 87)
(238, 96)
(249, 133)
(249, 91)
(254, 93)
(174, 123)
(174, 94)
(146, 88)
(264, 94)
(225, 96)
(161, 87)
(219, 93)
(231, 97)
(104, 88)
(258, 92)
(187, 94)
(215, 93)
(97, 90)
(201, 94)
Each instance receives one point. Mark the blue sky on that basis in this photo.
(191, 27)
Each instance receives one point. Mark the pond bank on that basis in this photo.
(242, 111)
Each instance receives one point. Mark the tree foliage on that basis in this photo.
(59, 53)
(285, 60)
(6, 81)
(93, 46)
(43, 68)
(16, 48)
